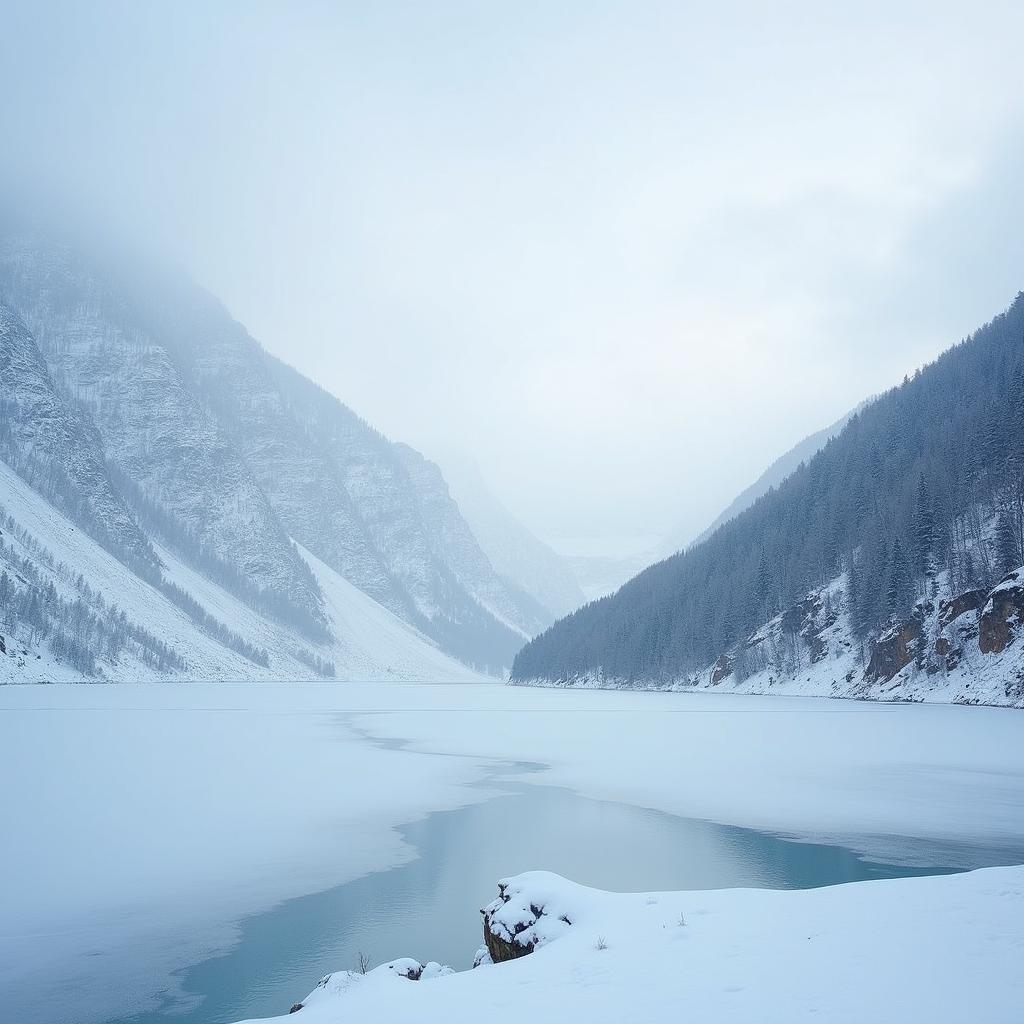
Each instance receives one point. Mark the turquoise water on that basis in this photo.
(429, 908)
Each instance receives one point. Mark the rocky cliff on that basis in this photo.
(221, 453)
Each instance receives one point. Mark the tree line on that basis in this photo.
(926, 481)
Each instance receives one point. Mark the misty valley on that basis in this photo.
(511, 512)
(289, 712)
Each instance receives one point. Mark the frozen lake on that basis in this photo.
(429, 908)
(204, 853)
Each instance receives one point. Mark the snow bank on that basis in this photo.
(941, 949)
(338, 984)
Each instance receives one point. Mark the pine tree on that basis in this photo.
(855, 596)
(765, 585)
(900, 582)
(1007, 555)
(924, 530)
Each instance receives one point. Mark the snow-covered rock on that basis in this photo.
(1003, 614)
(941, 949)
(335, 986)
(528, 912)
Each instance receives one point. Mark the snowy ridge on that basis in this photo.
(371, 643)
(228, 458)
(169, 454)
(942, 949)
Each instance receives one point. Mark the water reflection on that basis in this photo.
(428, 908)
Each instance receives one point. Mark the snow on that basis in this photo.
(152, 817)
(995, 679)
(371, 643)
(338, 984)
(1010, 584)
(942, 949)
(855, 773)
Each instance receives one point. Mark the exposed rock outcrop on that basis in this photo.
(721, 669)
(952, 609)
(809, 620)
(1003, 614)
(895, 649)
(514, 924)
(957, 629)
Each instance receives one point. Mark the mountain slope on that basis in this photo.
(57, 450)
(922, 493)
(452, 541)
(372, 509)
(229, 458)
(145, 634)
(516, 554)
(169, 455)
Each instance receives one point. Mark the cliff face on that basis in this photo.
(227, 455)
(168, 452)
(453, 544)
(245, 390)
(58, 449)
(1003, 614)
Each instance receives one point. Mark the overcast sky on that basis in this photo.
(623, 255)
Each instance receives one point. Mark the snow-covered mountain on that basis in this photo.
(71, 610)
(148, 416)
(57, 449)
(964, 647)
(601, 575)
(886, 566)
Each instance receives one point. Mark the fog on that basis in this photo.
(620, 255)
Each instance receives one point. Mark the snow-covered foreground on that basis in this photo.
(146, 820)
(943, 949)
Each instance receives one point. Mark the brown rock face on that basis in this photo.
(504, 946)
(721, 669)
(502, 949)
(970, 601)
(894, 650)
(1003, 615)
